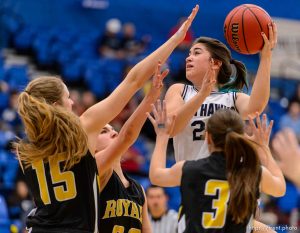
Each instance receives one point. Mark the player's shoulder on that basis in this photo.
(177, 87)
(180, 89)
(195, 166)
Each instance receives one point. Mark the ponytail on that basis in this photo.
(242, 163)
(226, 129)
(239, 80)
(52, 132)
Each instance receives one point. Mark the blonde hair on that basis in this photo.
(51, 130)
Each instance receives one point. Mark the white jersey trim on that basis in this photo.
(95, 191)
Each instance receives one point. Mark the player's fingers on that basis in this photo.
(157, 75)
(265, 38)
(164, 74)
(208, 75)
(269, 129)
(159, 109)
(251, 123)
(291, 137)
(194, 13)
(264, 122)
(258, 121)
(158, 67)
(271, 35)
(274, 33)
(191, 17)
(151, 119)
(154, 111)
(278, 144)
(164, 116)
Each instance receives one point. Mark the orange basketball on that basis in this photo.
(243, 26)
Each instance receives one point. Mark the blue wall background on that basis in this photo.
(151, 16)
(154, 17)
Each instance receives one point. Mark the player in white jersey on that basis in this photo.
(210, 68)
(193, 134)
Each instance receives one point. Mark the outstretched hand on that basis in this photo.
(261, 132)
(157, 81)
(286, 148)
(209, 81)
(181, 33)
(269, 43)
(162, 124)
(261, 136)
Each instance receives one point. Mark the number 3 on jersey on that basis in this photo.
(217, 219)
(62, 192)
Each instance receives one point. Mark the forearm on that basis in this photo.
(127, 136)
(98, 115)
(110, 107)
(261, 88)
(271, 184)
(158, 160)
(131, 129)
(146, 66)
(140, 73)
(187, 111)
(273, 167)
(269, 162)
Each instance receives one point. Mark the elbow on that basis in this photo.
(258, 109)
(127, 135)
(280, 190)
(154, 178)
(252, 112)
(135, 82)
(279, 193)
(261, 108)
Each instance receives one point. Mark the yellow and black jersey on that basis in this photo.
(66, 200)
(205, 194)
(121, 207)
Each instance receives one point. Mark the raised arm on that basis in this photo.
(101, 113)
(257, 101)
(271, 184)
(159, 174)
(272, 181)
(286, 148)
(185, 111)
(131, 129)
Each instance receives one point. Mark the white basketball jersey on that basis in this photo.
(190, 144)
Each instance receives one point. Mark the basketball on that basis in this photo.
(243, 26)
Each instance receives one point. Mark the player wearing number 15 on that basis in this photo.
(219, 193)
(54, 156)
